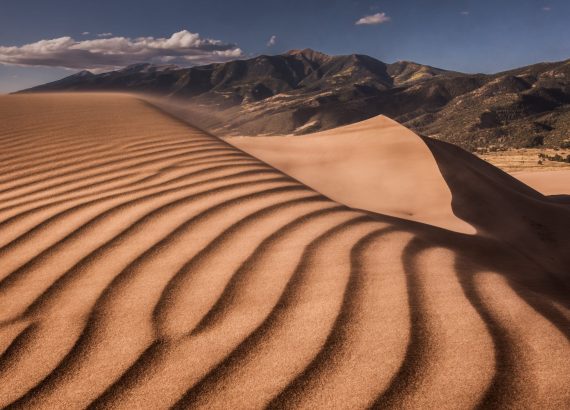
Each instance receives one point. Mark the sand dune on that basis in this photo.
(376, 165)
(147, 264)
(552, 183)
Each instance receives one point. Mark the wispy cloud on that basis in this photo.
(182, 48)
(104, 35)
(85, 33)
(547, 8)
(378, 18)
(272, 41)
(465, 13)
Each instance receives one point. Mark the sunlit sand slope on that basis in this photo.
(547, 182)
(146, 264)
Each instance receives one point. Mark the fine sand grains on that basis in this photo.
(147, 264)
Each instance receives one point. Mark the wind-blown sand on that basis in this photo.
(147, 264)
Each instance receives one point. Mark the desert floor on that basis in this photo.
(147, 264)
(528, 159)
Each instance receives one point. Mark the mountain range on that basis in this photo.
(303, 91)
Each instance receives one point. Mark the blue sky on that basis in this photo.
(463, 35)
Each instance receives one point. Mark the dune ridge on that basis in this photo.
(375, 165)
(148, 264)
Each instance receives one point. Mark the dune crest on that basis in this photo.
(377, 165)
(147, 264)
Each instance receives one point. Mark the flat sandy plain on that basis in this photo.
(527, 160)
(147, 264)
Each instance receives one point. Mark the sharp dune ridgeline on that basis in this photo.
(145, 263)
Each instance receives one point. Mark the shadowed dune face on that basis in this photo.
(146, 264)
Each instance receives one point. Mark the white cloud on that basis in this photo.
(272, 41)
(465, 13)
(85, 33)
(103, 35)
(100, 54)
(377, 18)
(547, 8)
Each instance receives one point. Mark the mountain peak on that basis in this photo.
(83, 73)
(137, 67)
(308, 53)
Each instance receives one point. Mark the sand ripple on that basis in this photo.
(147, 264)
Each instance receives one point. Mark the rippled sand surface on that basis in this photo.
(147, 264)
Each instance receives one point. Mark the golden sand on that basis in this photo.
(147, 264)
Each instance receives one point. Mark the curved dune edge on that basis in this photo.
(147, 264)
(376, 165)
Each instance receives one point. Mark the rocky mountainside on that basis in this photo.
(303, 91)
